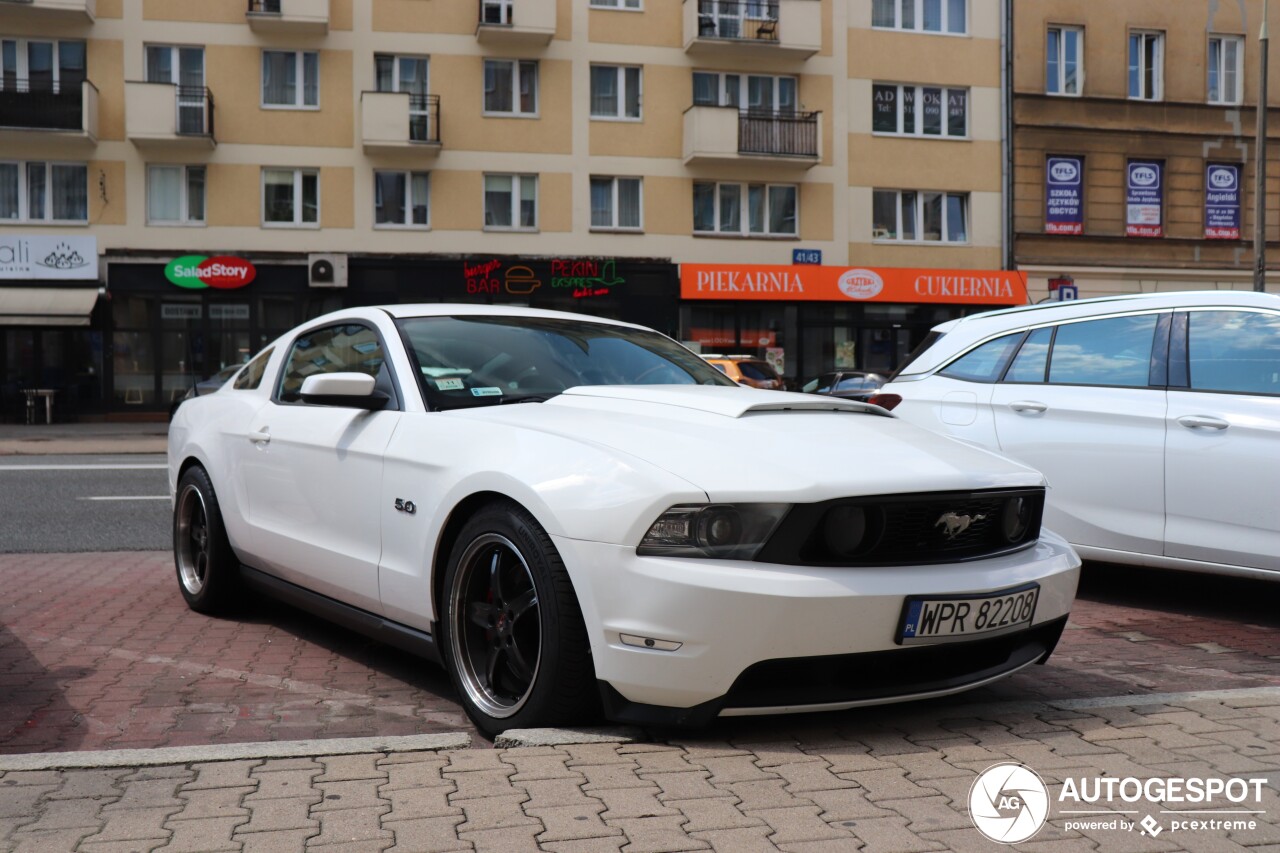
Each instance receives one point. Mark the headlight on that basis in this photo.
(720, 531)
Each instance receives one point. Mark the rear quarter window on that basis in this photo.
(984, 363)
(251, 377)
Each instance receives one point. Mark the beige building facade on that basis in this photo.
(1134, 156)
(181, 180)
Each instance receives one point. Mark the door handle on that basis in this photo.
(1027, 406)
(1202, 422)
(261, 436)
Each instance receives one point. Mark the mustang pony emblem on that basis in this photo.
(953, 525)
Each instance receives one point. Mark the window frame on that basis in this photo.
(1158, 77)
(615, 208)
(1061, 29)
(183, 199)
(24, 200)
(919, 218)
(408, 225)
(1223, 39)
(918, 113)
(517, 76)
(618, 5)
(298, 173)
(22, 58)
(620, 77)
(300, 88)
(744, 210)
(917, 7)
(517, 184)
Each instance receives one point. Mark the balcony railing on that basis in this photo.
(195, 111)
(779, 133)
(738, 19)
(424, 118)
(41, 105)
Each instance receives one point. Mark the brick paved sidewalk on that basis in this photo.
(881, 781)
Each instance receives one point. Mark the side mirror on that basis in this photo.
(350, 390)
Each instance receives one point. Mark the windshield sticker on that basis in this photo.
(486, 392)
(448, 384)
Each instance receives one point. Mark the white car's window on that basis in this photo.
(1112, 351)
(347, 348)
(1234, 351)
(476, 361)
(1032, 359)
(986, 363)
(251, 377)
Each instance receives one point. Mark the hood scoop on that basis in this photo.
(731, 402)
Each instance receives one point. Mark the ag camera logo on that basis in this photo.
(1222, 178)
(1063, 172)
(1143, 176)
(1008, 803)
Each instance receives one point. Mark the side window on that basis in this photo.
(985, 363)
(1030, 362)
(349, 348)
(1234, 351)
(251, 377)
(1114, 351)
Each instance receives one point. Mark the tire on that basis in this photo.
(526, 663)
(208, 571)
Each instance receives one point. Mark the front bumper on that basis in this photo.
(763, 638)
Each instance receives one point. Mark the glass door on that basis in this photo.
(184, 68)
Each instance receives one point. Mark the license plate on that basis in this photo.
(937, 619)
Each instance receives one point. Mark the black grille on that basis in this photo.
(915, 529)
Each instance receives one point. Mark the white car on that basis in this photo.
(1155, 419)
(601, 547)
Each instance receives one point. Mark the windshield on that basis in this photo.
(482, 361)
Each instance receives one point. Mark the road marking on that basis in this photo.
(126, 498)
(137, 467)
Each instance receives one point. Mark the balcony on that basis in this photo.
(301, 17)
(520, 23)
(400, 121)
(162, 114)
(742, 29)
(49, 112)
(725, 134)
(51, 11)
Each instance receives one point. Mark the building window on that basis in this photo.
(44, 192)
(930, 16)
(401, 198)
(503, 79)
(748, 210)
(511, 202)
(495, 12)
(911, 216)
(291, 197)
(1146, 66)
(616, 4)
(408, 74)
(291, 79)
(184, 68)
(752, 91)
(1226, 53)
(615, 91)
(919, 110)
(175, 195)
(31, 65)
(1064, 60)
(615, 203)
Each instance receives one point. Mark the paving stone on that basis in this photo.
(20, 801)
(427, 835)
(66, 814)
(357, 794)
(287, 784)
(633, 802)
(466, 760)
(548, 765)
(134, 824)
(346, 825)
(929, 814)
(813, 775)
(483, 783)
(414, 803)
(847, 804)
(765, 794)
(589, 845)
(889, 785)
(709, 813)
(494, 813)
(594, 753)
(667, 760)
(684, 786)
(213, 802)
(657, 835)
(854, 759)
(287, 765)
(797, 823)
(420, 773)
(567, 823)
(1060, 845)
(891, 835)
(734, 768)
(155, 774)
(222, 774)
(346, 768)
(137, 846)
(280, 813)
(44, 842)
(364, 845)
(742, 840)
(768, 754)
(611, 776)
(89, 783)
(509, 839)
(203, 835)
(1227, 761)
(19, 778)
(544, 793)
(279, 841)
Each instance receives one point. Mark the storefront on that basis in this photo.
(51, 350)
(809, 319)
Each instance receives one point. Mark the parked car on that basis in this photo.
(845, 384)
(555, 507)
(1155, 418)
(753, 372)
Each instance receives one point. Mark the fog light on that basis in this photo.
(845, 528)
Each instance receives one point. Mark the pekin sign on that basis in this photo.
(809, 283)
(197, 272)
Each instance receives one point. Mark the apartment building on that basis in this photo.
(815, 181)
(1133, 128)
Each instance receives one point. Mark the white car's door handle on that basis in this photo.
(1203, 422)
(1027, 406)
(261, 436)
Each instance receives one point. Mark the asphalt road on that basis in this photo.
(52, 504)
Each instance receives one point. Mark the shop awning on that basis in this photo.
(46, 306)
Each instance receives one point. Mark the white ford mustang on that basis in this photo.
(605, 547)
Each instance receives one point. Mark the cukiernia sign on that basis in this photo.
(222, 271)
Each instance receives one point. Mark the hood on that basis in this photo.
(740, 443)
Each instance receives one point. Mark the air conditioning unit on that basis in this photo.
(327, 270)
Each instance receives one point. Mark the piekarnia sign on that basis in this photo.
(197, 271)
(809, 283)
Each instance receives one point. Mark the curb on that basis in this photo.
(561, 737)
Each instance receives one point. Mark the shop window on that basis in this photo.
(175, 195)
(615, 91)
(615, 203)
(510, 87)
(1146, 66)
(291, 197)
(1064, 60)
(34, 191)
(930, 16)
(291, 79)
(1226, 56)
(748, 210)
(919, 110)
(401, 199)
(511, 202)
(914, 216)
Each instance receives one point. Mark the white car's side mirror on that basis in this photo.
(354, 390)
